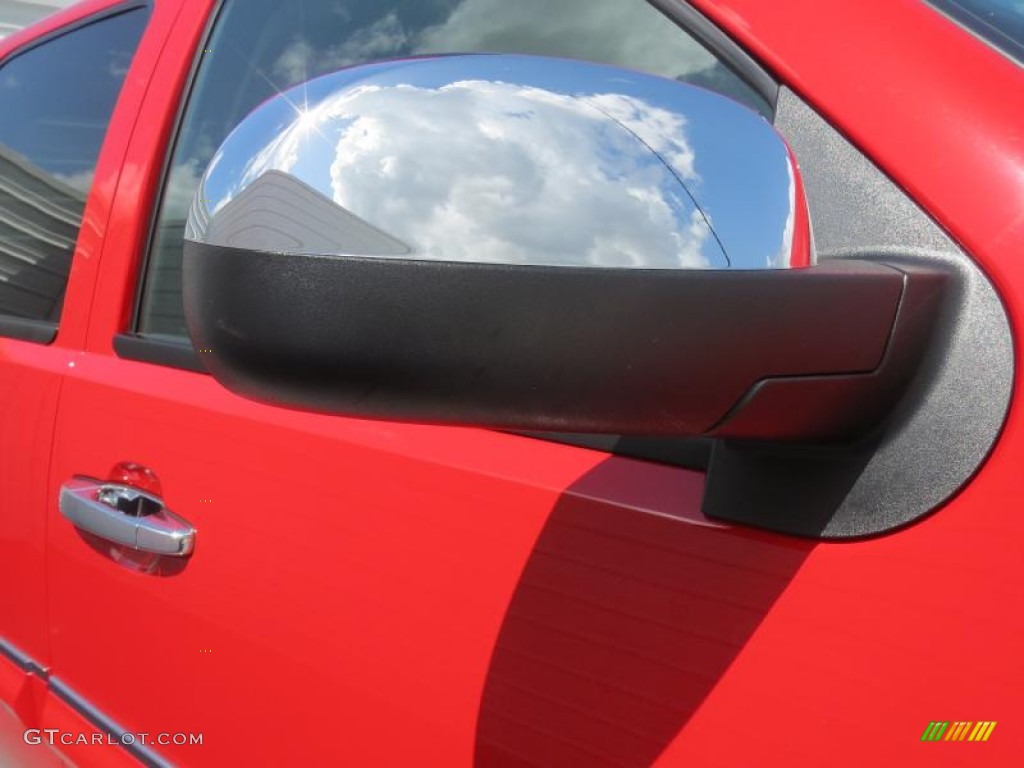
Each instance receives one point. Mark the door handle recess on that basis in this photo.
(126, 515)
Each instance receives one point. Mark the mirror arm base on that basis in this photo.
(923, 450)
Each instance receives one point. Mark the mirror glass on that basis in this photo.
(507, 159)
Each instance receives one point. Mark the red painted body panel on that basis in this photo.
(355, 576)
(29, 384)
(30, 378)
(369, 593)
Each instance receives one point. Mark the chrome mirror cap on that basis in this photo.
(504, 159)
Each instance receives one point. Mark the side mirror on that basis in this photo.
(534, 243)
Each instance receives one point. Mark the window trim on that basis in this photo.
(113, 10)
(980, 29)
(27, 329)
(160, 350)
(722, 47)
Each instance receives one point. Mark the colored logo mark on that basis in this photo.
(958, 731)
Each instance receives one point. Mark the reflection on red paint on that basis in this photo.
(622, 622)
(137, 476)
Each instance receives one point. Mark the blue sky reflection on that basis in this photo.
(526, 160)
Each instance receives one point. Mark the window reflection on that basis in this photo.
(57, 100)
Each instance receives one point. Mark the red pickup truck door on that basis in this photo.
(57, 91)
(373, 593)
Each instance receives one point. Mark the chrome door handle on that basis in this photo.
(127, 516)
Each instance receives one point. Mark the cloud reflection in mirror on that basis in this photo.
(504, 159)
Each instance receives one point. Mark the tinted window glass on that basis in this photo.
(56, 100)
(260, 47)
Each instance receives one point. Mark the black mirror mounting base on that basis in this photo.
(923, 452)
